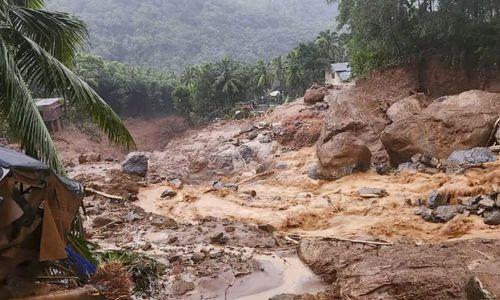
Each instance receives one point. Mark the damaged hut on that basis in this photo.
(37, 212)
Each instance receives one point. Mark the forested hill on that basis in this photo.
(178, 33)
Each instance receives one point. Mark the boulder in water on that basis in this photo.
(342, 155)
(136, 163)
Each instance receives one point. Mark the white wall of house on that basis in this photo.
(332, 78)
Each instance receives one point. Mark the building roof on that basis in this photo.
(46, 102)
(343, 70)
(339, 67)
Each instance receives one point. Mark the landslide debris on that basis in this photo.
(406, 271)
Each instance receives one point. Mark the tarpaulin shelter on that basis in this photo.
(37, 211)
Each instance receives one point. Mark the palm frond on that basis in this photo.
(23, 116)
(58, 33)
(42, 69)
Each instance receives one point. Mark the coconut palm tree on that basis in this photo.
(229, 81)
(263, 77)
(37, 47)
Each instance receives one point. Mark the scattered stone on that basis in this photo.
(252, 135)
(132, 217)
(469, 202)
(447, 212)
(100, 222)
(246, 129)
(173, 240)
(487, 203)
(267, 228)
(246, 153)
(136, 163)
(222, 186)
(426, 214)
(219, 239)
(89, 158)
(475, 156)
(252, 193)
(147, 247)
(179, 287)
(372, 192)
(198, 257)
(436, 199)
(177, 183)
(229, 229)
(492, 217)
(281, 165)
(168, 194)
(312, 172)
(264, 138)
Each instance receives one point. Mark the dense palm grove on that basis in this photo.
(205, 91)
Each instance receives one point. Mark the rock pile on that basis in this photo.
(439, 210)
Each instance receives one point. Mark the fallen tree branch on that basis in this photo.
(96, 192)
(267, 173)
(357, 241)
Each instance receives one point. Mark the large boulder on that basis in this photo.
(407, 107)
(459, 122)
(135, 163)
(315, 94)
(342, 155)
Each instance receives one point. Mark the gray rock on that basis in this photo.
(447, 212)
(246, 153)
(426, 214)
(177, 183)
(179, 287)
(471, 201)
(474, 156)
(281, 165)
(135, 163)
(168, 194)
(492, 217)
(223, 186)
(487, 203)
(408, 166)
(436, 200)
(312, 172)
(372, 192)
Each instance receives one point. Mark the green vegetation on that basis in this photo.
(214, 89)
(175, 34)
(130, 91)
(36, 46)
(393, 32)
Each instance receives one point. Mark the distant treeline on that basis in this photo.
(212, 89)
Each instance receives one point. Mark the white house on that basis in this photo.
(338, 73)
